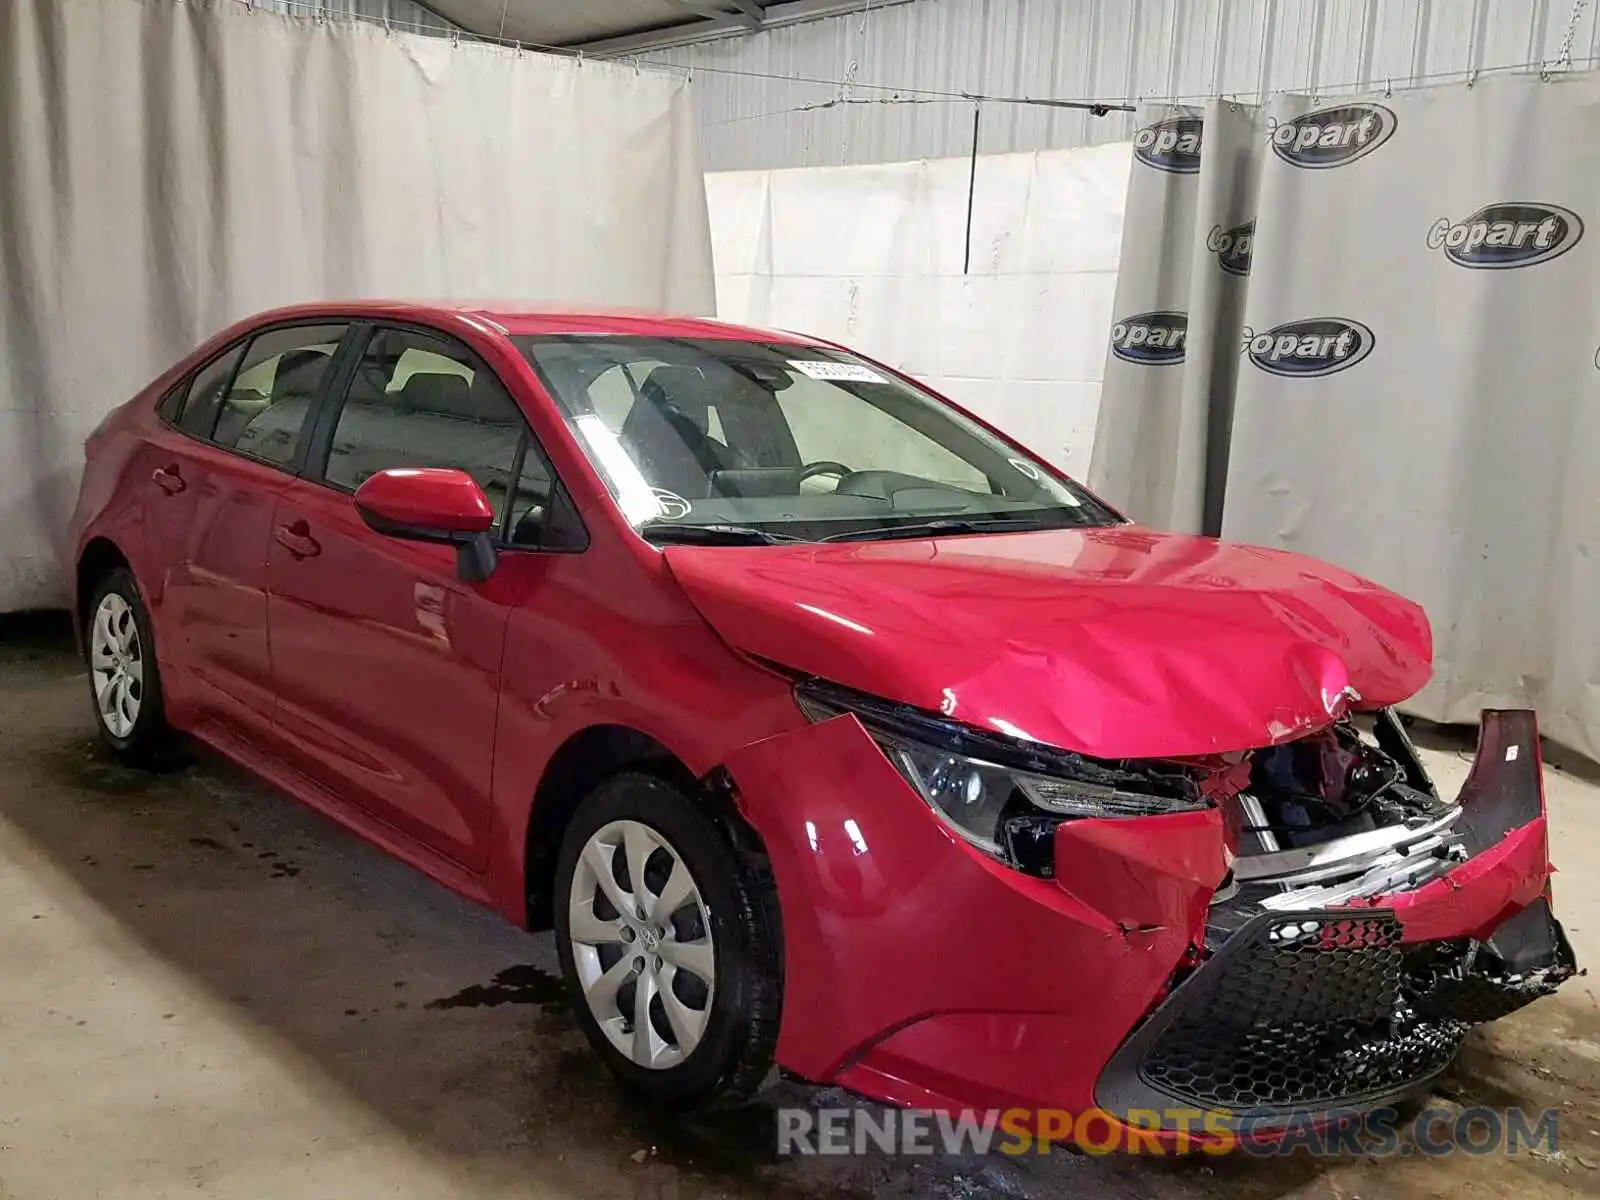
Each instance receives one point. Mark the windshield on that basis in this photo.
(714, 439)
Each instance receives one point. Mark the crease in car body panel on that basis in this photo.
(573, 665)
(1144, 875)
(1235, 647)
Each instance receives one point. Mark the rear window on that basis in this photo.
(199, 413)
(172, 404)
(270, 398)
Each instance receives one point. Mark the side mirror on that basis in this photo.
(432, 504)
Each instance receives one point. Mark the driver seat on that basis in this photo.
(665, 432)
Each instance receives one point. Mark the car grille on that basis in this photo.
(1310, 1012)
(1295, 1012)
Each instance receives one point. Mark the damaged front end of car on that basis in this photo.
(1263, 935)
(1366, 923)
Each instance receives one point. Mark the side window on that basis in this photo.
(171, 404)
(831, 424)
(267, 403)
(420, 401)
(199, 415)
(532, 499)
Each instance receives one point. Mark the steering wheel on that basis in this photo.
(823, 467)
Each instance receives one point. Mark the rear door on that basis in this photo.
(232, 436)
(386, 665)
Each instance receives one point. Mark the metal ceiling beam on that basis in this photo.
(774, 16)
(748, 13)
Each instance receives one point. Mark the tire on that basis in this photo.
(120, 649)
(737, 1012)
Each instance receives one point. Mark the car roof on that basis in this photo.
(519, 317)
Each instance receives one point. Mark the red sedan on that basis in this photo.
(825, 724)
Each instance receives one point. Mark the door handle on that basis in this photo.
(168, 480)
(297, 539)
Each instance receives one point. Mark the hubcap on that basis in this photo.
(641, 942)
(116, 661)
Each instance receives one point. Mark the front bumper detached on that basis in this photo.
(1316, 1010)
(1354, 1005)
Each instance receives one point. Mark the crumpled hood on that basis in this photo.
(1117, 642)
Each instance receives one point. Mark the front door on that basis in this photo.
(386, 664)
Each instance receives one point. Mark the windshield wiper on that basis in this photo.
(713, 535)
(944, 525)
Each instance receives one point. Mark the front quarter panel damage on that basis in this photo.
(1145, 875)
(900, 939)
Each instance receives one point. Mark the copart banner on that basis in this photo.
(1366, 329)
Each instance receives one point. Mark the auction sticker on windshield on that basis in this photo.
(837, 371)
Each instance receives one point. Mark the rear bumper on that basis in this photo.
(920, 973)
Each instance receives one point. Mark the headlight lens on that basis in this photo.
(970, 795)
(1003, 795)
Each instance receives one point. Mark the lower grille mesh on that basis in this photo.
(1308, 1011)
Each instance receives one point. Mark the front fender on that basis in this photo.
(894, 925)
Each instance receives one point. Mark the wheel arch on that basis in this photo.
(100, 556)
(587, 758)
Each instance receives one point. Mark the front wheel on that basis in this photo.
(665, 945)
(123, 680)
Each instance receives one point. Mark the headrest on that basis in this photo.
(685, 389)
(437, 392)
(298, 373)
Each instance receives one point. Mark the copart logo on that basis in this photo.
(1170, 145)
(1516, 233)
(1232, 246)
(1151, 339)
(1332, 137)
(1310, 348)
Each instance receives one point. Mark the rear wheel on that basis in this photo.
(665, 946)
(123, 680)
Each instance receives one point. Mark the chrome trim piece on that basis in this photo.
(1257, 816)
(1394, 872)
(1359, 851)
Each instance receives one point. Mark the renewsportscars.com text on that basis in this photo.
(1384, 1131)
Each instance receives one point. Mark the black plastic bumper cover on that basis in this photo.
(1310, 1011)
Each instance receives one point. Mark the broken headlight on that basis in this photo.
(1004, 795)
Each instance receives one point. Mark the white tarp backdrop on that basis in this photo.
(1378, 318)
(873, 256)
(171, 167)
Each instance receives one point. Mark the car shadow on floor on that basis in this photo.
(434, 1013)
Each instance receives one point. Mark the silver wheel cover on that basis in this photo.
(641, 943)
(116, 664)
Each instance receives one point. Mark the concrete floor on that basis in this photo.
(207, 990)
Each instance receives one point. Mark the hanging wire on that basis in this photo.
(1093, 107)
(854, 63)
(835, 102)
(1564, 57)
(850, 72)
